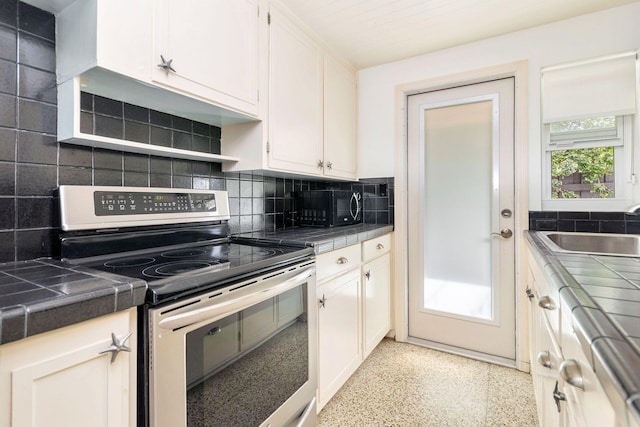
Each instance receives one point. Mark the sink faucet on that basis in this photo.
(633, 209)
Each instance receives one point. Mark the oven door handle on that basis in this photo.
(225, 308)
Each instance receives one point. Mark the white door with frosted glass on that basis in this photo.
(461, 219)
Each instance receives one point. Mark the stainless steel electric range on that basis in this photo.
(228, 329)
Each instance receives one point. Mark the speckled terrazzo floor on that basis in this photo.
(405, 385)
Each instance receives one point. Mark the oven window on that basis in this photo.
(242, 368)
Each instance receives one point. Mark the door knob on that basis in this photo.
(504, 233)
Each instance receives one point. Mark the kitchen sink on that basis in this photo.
(592, 243)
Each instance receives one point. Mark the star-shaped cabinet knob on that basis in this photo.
(117, 345)
(166, 65)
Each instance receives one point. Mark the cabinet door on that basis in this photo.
(340, 117)
(295, 98)
(339, 352)
(213, 48)
(376, 297)
(545, 355)
(547, 361)
(60, 378)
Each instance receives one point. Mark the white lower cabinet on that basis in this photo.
(376, 291)
(339, 350)
(545, 361)
(354, 310)
(65, 377)
(567, 390)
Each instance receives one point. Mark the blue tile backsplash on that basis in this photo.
(33, 164)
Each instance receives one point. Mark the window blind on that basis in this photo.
(598, 87)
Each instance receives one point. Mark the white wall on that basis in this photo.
(596, 34)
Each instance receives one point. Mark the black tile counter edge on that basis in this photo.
(612, 357)
(343, 236)
(25, 320)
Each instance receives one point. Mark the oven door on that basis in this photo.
(241, 356)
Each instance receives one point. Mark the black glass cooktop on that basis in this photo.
(175, 272)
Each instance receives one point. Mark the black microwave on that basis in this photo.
(328, 208)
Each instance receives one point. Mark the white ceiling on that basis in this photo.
(373, 32)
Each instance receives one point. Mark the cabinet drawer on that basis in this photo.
(376, 247)
(547, 298)
(337, 261)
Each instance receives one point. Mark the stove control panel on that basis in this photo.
(110, 203)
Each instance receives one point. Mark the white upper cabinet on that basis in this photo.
(295, 98)
(110, 35)
(114, 46)
(212, 47)
(340, 118)
(285, 104)
(309, 125)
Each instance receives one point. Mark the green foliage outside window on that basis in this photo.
(593, 163)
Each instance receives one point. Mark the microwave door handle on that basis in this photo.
(355, 197)
(223, 309)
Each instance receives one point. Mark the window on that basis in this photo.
(585, 158)
(588, 114)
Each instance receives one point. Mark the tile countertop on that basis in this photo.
(322, 239)
(603, 293)
(45, 294)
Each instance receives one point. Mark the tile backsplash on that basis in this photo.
(33, 164)
(591, 222)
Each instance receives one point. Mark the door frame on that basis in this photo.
(520, 71)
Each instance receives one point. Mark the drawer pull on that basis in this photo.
(570, 372)
(215, 330)
(342, 260)
(547, 303)
(368, 274)
(379, 246)
(544, 359)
